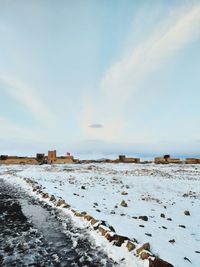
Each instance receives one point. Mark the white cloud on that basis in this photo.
(27, 97)
(123, 78)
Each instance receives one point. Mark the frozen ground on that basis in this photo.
(33, 233)
(149, 190)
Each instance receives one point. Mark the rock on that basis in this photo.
(144, 255)
(148, 234)
(124, 193)
(66, 206)
(98, 210)
(144, 218)
(109, 237)
(162, 215)
(93, 221)
(141, 225)
(182, 226)
(52, 198)
(124, 204)
(60, 202)
(119, 240)
(197, 251)
(102, 230)
(172, 241)
(130, 245)
(83, 187)
(185, 258)
(45, 195)
(164, 227)
(145, 246)
(88, 217)
(169, 219)
(187, 213)
(78, 214)
(159, 263)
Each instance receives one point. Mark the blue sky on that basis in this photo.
(100, 76)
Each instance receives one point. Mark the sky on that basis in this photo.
(91, 76)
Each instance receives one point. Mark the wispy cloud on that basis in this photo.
(26, 96)
(124, 77)
(96, 125)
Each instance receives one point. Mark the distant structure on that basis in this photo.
(166, 159)
(192, 161)
(51, 156)
(123, 158)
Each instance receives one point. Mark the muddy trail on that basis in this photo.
(35, 234)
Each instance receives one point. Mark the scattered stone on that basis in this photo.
(134, 217)
(66, 206)
(182, 226)
(130, 245)
(45, 195)
(112, 212)
(83, 187)
(159, 263)
(144, 218)
(187, 213)
(164, 227)
(60, 202)
(93, 221)
(185, 258)
(78, 214)
(162, 215)
(88, 217)
(144, 255)
(102, 230)
(119, 240)
(148, 234)
(145, 246)
(124, 193)
(52, 198)
(95, 203)
(197, 251)
(172, 241)
(124, 204)
(169, 219)
(98, 210)
(122, 214)
(141, 225)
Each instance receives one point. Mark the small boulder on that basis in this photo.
(187, 213)
(124, 204)
(182, 226)
(145, 246)
(124, 193)
(60, 202)
(130, 245)
(144, 218)
(159, 263)
(144, 255)
(162, 215)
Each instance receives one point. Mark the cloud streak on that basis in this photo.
(27, 97)
(124, 77)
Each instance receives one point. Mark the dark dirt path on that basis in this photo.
(34, 234)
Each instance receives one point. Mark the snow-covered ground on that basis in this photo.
(149, 190)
